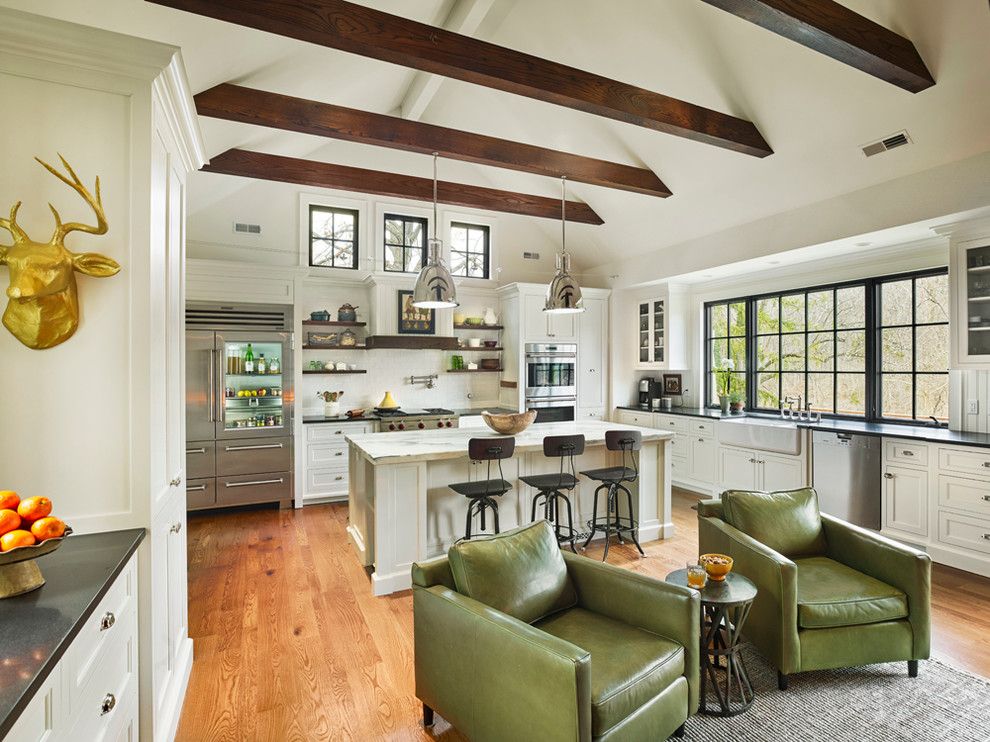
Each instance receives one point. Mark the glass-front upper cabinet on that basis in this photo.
(970, 285)
(652, 329)
(252, 384)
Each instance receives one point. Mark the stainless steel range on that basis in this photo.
(429, 419)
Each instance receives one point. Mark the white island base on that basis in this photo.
(401, 509)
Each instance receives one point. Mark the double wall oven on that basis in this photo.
(551, 382)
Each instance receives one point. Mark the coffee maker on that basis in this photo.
(645, 391)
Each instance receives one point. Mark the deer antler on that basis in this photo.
(11, 225)
(61, 230)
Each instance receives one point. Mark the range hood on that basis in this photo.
(411, 342)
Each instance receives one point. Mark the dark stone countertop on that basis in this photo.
(894, 430)
(37, 628)
(366, 417)
(687, 411)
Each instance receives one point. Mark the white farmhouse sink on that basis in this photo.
(763, 434)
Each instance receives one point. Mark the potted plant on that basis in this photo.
(723, 382)
(331, 403)
(736, 402)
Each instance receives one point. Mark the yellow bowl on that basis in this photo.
(716, 565)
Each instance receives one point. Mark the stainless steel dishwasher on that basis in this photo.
(847, 476)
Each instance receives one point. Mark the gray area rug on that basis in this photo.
(877, 702)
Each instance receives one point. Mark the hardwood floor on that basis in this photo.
(291, 645)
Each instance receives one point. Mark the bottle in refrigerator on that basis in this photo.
(273, 367)
(262, 364)
(249, 360)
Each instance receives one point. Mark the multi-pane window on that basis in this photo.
(811, 350)
(333, 237)
(913, 333)
(405, 243)
(727, 347)
(470, 250)
(877, 349)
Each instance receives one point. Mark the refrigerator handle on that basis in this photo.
(221, 398)
(212, 384)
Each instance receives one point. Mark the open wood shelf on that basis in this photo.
(334, 347)
(482, 348)
(479, 327)
(328, 371)
(332, 323)
(474, 370)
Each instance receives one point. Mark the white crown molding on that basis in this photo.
(172, 89)
(965, 228)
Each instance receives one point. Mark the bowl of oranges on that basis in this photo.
(28, 530)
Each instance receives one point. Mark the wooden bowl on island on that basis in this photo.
(508, 424)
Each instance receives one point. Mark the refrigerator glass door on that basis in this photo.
(254, 388)
(201, 385)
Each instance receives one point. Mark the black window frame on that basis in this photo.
(486, 252)
(334, 210)
(873, 371)
(406, 220)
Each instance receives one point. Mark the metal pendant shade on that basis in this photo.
(434, 286)
(563, 293)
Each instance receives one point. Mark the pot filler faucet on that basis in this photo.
(429, 380)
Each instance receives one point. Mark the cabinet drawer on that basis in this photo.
(669, 422)
(326, 454)
(957, 460)
(680, 447)
(108, 626)
(642, 419)
(109, 694)
(250, 489)
(325, 432)
(322, 481)
(901, 452)
(254, 456)
(972, 495)
(698, 427)
(201, 494)
(965, 531)
(201, 459)
(40, 719)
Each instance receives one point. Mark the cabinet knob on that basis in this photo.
(176, 527)
(986, 536)
(107, 621)
(176, 482)
(752, 461)
(986, 464)
(888, 475)
(109, 701)
(337, 478)
(339, 453)
(701, 440)
(986, 498)
(908, 453)
(338, 432)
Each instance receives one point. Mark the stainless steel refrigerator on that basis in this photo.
(239, 413)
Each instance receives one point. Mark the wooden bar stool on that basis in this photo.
(612, 479)
(552, 487)
(481, 494)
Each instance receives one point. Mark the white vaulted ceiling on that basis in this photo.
(815, 112)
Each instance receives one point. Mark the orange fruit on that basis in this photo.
(13, 539)
(46, 528)
(9, 500)
(34, 508)
(9, 521)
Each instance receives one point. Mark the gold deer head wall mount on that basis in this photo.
(43, 303)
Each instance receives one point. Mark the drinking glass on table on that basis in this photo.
(696, 576)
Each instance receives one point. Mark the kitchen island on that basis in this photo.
(401, 509)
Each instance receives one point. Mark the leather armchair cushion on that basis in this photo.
(788, 522)
(518, 572)
(830, 594)
(629, 666)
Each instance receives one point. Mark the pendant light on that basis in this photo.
(434, 286)
(563, 293)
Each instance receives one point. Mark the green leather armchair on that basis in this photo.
(831, 594)
(516, 640)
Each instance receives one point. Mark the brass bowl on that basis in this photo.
(716, 565)
(510, 424)
(18, 572)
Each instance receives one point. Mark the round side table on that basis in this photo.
(725, 606)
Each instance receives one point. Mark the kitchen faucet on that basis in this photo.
(789, 401)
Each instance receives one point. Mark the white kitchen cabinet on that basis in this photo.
(546, 327)
(631, 417)
(326, 465)
(703, 460)
(781, 472)
(592, 362)
(969, 288)
(662, 331)
(737, 469)
(747, 469)
(905, 499)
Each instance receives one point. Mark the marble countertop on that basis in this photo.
(687, 411)
(37, 628)
(429, 445)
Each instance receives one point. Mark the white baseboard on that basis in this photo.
(167, 723)
(385, 584)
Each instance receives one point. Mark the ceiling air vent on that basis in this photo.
(531, 256)
(893, 141)
(242, 228)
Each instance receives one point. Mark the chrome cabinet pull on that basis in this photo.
(175, 482)
(337, 478)
(251, 484)
(195, 450)
(888, 475)
(176, 527)
(107, 621)
(109, 701)
(253, 448)
(701, 440)
(338, 432)
(339, 453)
(986, 464)
(196, 488)
(986, 498)
(986, 536)
(908, 453)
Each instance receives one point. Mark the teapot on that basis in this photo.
(347, 313)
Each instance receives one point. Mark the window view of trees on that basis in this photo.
(333, 237)
(405, 243)
(817, 345)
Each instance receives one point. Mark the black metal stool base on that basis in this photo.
(565, 532)
(612, 522)
(479, 506)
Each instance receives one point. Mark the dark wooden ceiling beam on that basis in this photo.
(262, 166)
(371, 33)
(259, 107)
(834, 30)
